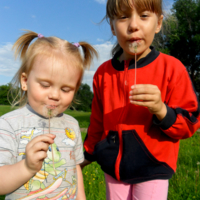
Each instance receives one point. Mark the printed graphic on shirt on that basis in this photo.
(27, 136)
(71, 137)
(38, 186)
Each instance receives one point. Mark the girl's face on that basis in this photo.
(51, 83)
(135, 27)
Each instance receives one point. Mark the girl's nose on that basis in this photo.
(133, 24)
(54, 94)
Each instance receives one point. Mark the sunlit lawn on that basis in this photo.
(184, 185)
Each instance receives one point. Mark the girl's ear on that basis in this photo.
(159, 25)
(112, 28)
(24, 81)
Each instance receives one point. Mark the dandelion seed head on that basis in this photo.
(50, 111)
(134, 45)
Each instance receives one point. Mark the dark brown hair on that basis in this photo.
(114, 8)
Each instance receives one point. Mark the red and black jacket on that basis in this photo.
(128, 141)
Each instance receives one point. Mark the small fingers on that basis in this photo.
(45, 138)
(143, 89)
(142, 97)
(138, 86)
(40, 146)
(34, 162)
(146, 104)
(35, 155)
(41, 155)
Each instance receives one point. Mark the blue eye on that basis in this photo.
(49, 148)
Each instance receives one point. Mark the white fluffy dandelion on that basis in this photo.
(50, 111)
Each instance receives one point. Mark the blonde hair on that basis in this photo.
(44, 46)
(114, 8)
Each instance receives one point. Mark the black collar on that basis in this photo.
(141, 63)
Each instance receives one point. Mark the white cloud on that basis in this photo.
(100, 40)
(101, 1)
(23, 141)
(69, 142)
(33, 131)
(8, 64)
(104, 51)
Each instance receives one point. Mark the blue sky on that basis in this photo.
(73, 20)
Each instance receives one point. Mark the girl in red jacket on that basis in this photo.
(138, 118)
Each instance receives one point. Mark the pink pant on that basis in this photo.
(149, 190)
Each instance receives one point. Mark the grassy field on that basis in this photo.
(184, 185)
(82, 117)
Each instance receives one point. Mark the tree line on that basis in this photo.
(180, 36)
(82, 102)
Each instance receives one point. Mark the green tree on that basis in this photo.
(84, 98)
(162, 38)
(184, 41)
(3, 94)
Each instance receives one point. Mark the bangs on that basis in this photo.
(154, 6)
(114, 7)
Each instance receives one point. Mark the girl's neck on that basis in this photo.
(125, 56)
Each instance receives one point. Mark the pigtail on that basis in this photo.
(23, 42)
(16, 96)
(89, 53)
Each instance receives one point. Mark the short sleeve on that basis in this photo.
(8, 144)
(79, 157)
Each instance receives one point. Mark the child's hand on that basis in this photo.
(148, 96)
(36, 152)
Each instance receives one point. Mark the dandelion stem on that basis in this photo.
(135, 49)
(49, 114)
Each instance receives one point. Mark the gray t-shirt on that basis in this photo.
(17, 128)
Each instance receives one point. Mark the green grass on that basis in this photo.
(94, 184)
(82, 117)
(4, 109)
(184, 185)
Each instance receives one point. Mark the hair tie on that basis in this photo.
(76, 44)
(40, 35)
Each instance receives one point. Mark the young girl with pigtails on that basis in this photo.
(138, 118)
(40, 146)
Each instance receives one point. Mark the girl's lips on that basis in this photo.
(52, 107)
(135, 40)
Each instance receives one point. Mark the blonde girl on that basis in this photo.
(39, 156)
(138, 118)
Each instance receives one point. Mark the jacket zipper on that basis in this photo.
(119, 126)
